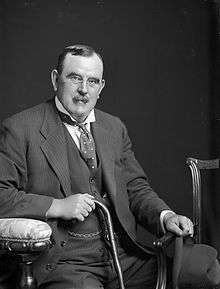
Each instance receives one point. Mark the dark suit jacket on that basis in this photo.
(34, 170)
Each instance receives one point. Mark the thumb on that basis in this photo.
(174, 228)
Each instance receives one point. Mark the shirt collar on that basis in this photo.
(60, 107)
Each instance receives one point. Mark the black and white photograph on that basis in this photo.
(109, 144)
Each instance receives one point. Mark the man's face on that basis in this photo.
(79, 85)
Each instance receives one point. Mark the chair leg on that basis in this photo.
(27, 280)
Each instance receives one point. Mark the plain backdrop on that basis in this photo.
(158, 59)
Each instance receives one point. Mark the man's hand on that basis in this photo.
(180, 225)
(76, 206)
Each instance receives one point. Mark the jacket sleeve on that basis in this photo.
(145, 204)
(15, 201)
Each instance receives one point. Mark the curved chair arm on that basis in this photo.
(25, 238)
(160, 246)
(196, 166)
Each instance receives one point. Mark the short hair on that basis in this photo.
(78, 49)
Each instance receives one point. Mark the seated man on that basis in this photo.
(57, 158)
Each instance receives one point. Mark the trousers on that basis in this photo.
(87, 264)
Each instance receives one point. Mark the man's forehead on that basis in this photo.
(93, 61)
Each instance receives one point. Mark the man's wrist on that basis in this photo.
(54, 210)
(164, 215)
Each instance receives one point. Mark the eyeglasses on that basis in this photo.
(77, 79)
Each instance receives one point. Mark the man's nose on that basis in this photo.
(83, 87)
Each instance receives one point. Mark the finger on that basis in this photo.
(191, 228)
(80, 217)
(175, 229)
(184, 225)
(84, 212)
(87, 207)
(172, 225)
(91, 203)
(187, 226)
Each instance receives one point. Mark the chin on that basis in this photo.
(80, 116)
(79, 110)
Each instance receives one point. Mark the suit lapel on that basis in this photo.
(103, 140)
(54, 147)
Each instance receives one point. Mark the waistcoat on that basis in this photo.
(83, 180)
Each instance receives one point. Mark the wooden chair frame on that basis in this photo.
(28, 251)
(196, 165)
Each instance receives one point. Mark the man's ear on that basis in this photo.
(54, 79)
(101, 86)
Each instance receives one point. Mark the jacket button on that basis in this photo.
(63, 243)
(91, 180)
(49, 267)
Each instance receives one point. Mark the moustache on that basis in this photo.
(84, 99)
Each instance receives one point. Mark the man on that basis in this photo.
(57, 158)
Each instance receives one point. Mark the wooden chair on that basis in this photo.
(27, 238)
(196, 166)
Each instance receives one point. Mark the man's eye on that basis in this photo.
(93, 81)
(76, 78)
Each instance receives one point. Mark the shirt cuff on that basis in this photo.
(162, 215)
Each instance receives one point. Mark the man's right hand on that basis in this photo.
(76, 206)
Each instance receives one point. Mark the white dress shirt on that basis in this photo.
(74, 130)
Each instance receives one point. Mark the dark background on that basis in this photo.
(160, 69)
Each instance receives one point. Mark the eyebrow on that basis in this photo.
(71, 74)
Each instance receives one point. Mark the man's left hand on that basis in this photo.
(179, 225)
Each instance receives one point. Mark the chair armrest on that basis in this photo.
(164, 242)
(160, 245)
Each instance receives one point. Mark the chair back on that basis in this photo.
(196, 165)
